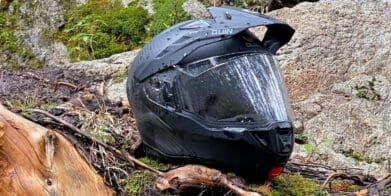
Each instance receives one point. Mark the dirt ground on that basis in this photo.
(79, 100)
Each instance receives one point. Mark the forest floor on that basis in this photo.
(80, 100)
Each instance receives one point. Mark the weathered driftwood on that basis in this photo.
(197, 175)
(37, 161)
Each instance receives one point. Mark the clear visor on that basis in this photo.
(245, 88)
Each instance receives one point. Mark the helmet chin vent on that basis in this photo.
(278, 141)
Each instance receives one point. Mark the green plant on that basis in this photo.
(100, 28)
(101, 133)
(168, 12)
(10, 46)
(47, 106)
(296, 185)
(310, 148)
(139, 183)
(362, 94)
(360, 157)
(27, 103)
(368, 91)
(153, 163)
(122, 75)
(353, 188)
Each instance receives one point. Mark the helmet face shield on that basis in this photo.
(246, 88)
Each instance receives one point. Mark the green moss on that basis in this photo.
(10, 46)
(100, 28)
(16, 4)
(154, 163)
(167, 13)
(101, 133)
(122, 76)
(21, 105)
(27, 103)
(362, 94)
(371, 83)
(368, 91)
(359, 157)
(139, 183)
(353, 188)
(302, 138)
(47, 106)
(310, 148)
(296, 185)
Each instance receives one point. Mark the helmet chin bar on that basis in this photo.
(239, 150)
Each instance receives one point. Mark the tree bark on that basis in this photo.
(37, 161)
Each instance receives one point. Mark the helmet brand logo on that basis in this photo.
(222, 31)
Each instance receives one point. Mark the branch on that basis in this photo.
(190, 175)
(124, 156)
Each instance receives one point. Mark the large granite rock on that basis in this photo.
(112, 71)
(36, 18)
(337, 69)
(101, 69)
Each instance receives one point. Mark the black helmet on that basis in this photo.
(209, 91)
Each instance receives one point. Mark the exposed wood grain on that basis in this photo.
(37, 161)
(198, 176)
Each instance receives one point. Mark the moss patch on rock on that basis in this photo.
(154, 163)
(295, 184)
(12, 51)
(140, 183)
(362, 158)
(100, 28)
(368, 91)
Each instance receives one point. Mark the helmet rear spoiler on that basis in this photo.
(277, 34)
(172, 45)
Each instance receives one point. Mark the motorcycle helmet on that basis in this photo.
(209, 91)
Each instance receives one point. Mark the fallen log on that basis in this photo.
(37, 161)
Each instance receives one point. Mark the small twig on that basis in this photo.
(101, 89)
(75, 88)
(119, 169)
(331, 177)
(136, 145)
(125, 156)
(37, 77)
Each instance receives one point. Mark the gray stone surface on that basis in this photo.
(37, 18)
(116, 91)
(112, 67)
(195, 9)
(338, 48)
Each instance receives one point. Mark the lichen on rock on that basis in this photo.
(337, 50)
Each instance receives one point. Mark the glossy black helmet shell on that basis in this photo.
(157, 83)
